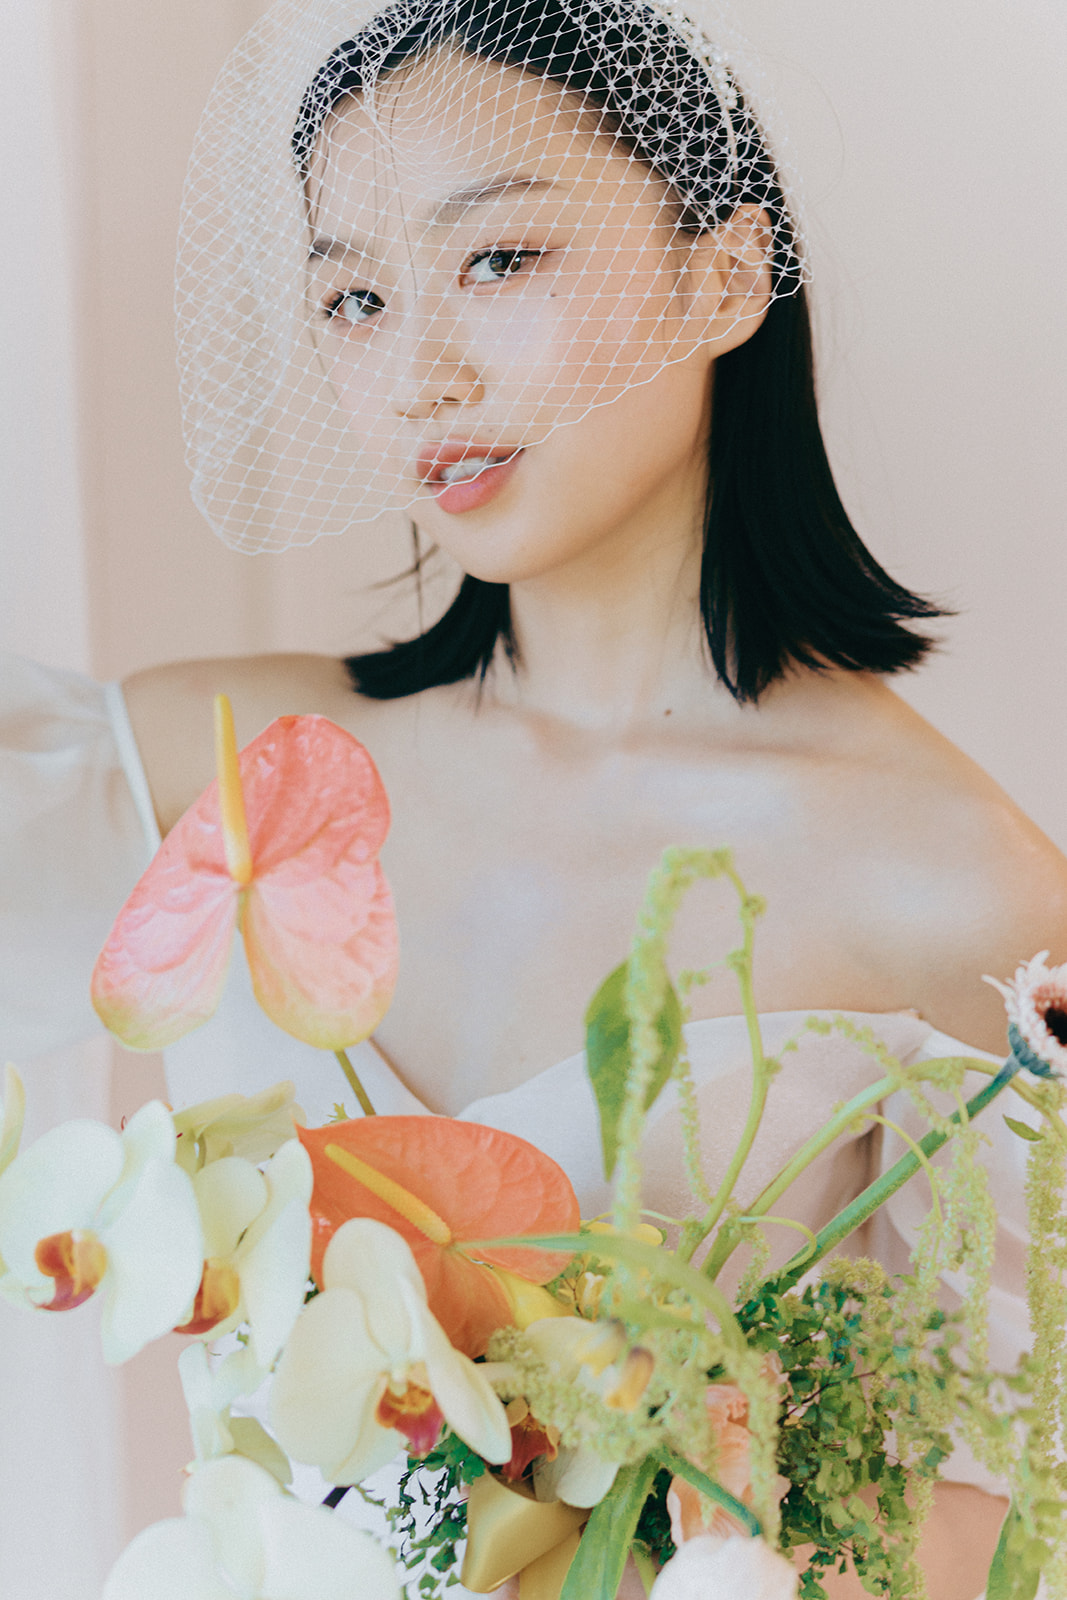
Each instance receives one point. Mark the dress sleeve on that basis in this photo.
(895, 1228)
(76, 831)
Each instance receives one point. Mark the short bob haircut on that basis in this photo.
(785, 579)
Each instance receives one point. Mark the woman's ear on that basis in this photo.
(729, 278)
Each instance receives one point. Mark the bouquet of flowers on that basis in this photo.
(566, 1396)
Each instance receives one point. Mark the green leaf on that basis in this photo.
(596, 1571)
(1033, 1135)
(607, 1053)
(1010, 1578)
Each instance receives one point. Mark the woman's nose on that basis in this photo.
(435, 373)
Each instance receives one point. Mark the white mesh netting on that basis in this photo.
(419, 239)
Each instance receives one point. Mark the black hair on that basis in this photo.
(785, 579)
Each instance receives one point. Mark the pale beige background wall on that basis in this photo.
(931, 134)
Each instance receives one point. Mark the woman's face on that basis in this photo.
(486, 267)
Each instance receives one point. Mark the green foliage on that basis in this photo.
(1023, 1129)
(654, 1524)
(607, 1044)
(429, 1519)
(849, 1381)
(1012, 1575)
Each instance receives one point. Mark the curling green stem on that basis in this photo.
(877, 1193)
(762, 1070)
(354, 1084)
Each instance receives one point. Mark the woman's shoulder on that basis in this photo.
(170, 709)
(964, 881)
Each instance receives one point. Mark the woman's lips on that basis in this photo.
(464, 476)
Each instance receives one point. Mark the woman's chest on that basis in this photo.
(517, 886)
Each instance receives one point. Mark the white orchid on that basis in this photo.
(367, 1367)
(257, 1248)
(250, 1125)
(243, 1538)
(738, 1568)
(211, 1386)
(87, 1210)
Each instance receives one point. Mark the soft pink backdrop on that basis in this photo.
(931, 137)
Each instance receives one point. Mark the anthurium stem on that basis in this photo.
(877, 1193)
(354, 1084)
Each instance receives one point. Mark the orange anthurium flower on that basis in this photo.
(438, 1183)
(283, 845)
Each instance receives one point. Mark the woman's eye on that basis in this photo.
(357, 306)
(493, 266)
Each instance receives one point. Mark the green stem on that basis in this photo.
(729, 1238)
(762, 1073)
(679, 1467)
(877, 1193)
(354, 1084)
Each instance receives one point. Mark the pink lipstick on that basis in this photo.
(465, 475)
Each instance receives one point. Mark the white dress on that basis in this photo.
(76, 829)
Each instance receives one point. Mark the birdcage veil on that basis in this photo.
(417, 239)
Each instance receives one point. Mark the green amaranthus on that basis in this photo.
(869, 1379)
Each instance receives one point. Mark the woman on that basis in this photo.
(556, 294)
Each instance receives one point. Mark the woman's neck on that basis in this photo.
(615, 639)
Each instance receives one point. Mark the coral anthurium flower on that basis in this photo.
(367, 1369)
(86, 1209)
(283, 845)
(242, 1538)
(439, 1183)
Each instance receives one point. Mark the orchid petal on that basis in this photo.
(172, 1560)
(252, 1442)
(155, 1258)
(469, 1404)
(56, 1184)
(230, 1193)
(253, 1126)
(367, 1253)
(147, 1136)
(310, 1554)
(326, 1389)
(12, 1116)
(229, 1495)
(578, 1477)
(274, 1275)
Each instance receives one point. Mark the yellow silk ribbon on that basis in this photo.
(510, 1532)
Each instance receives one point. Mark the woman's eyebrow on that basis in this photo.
(456, 205)
(323, 248)
(448, 211)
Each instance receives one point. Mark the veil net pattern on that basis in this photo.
(416, 240)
